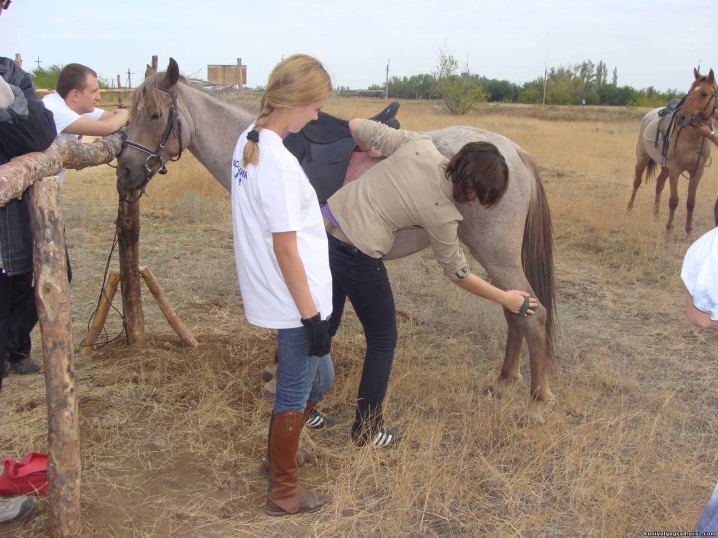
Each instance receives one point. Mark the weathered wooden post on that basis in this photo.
(52, 293)
(52, 296)
(128, 228)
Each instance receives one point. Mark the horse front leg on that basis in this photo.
(691, 199)
(673, 200)
(660, 184)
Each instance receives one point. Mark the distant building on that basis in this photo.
(228, 74)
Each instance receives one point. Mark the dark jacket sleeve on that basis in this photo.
(32, 133)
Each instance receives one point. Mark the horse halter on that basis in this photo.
(700, 115)
(153, 157)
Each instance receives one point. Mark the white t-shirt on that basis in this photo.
(65, 116)
(276, 196)
(700, 273)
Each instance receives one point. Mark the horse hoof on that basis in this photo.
(536, 409)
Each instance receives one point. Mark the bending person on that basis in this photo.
(415, 186)
(283, 266)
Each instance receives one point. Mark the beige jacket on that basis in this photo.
(406, 189)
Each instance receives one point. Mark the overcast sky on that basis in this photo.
(651, 42)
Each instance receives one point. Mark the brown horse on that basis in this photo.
(687, 150)
(513, 240)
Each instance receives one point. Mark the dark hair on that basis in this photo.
(478, 166)
(73, 77)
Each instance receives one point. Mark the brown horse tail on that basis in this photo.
(650, 171)
(537, 252)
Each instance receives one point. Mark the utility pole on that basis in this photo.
(386, 86)
(38, 62)
(129, 78)
(545, 71)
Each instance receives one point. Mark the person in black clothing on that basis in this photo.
(25, 126)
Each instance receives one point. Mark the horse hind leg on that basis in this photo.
(643, 161)
(660, 184)
(511, 367)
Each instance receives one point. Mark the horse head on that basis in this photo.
(155, 132)
(700, 101)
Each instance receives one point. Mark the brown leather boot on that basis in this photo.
(302, 455)
(284, 495)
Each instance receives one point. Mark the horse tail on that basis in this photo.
(650, 171)
(537, 252)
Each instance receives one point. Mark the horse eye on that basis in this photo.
(155, 116)
(704, 94)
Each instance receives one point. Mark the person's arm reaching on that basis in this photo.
(107, 124)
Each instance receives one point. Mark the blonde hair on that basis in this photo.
(298, 80)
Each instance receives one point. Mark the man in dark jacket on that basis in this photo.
(25, 126)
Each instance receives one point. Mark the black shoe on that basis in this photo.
(318, 420)
(25, 366)
(383, 438)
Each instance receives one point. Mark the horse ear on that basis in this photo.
(696, 74)
(172, 74)
(150, 71)
(711, 77)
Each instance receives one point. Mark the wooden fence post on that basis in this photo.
(52, 294)
(128, 227)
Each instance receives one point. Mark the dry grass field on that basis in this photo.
(171, 437)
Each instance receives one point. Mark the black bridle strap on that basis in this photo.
(153, 157)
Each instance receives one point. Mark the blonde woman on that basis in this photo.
(283, 265)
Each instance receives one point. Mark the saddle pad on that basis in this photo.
(652, 132)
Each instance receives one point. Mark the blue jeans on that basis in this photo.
(300, 379)
(708, 521)
(364, 281)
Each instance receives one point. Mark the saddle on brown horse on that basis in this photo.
(325, 145)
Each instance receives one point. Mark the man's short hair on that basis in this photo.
(73, 77)
(478, 166)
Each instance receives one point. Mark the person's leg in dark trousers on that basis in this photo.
(23, 314)
(5, 289)
(365, 282)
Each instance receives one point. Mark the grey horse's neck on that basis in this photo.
(220, 124)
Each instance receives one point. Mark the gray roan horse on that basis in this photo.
(170, 115)
(687, 149)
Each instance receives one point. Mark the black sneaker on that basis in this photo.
(383, 438)
(318, 420)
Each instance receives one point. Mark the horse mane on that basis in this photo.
(149, 93)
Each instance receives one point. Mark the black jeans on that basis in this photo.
(18, 316)
(23, 315)
(364, 281)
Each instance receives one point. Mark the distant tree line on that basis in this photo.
(46, 77)
(569, 85)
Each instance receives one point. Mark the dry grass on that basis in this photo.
(171, 438)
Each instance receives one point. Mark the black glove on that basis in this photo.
(320, 343)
